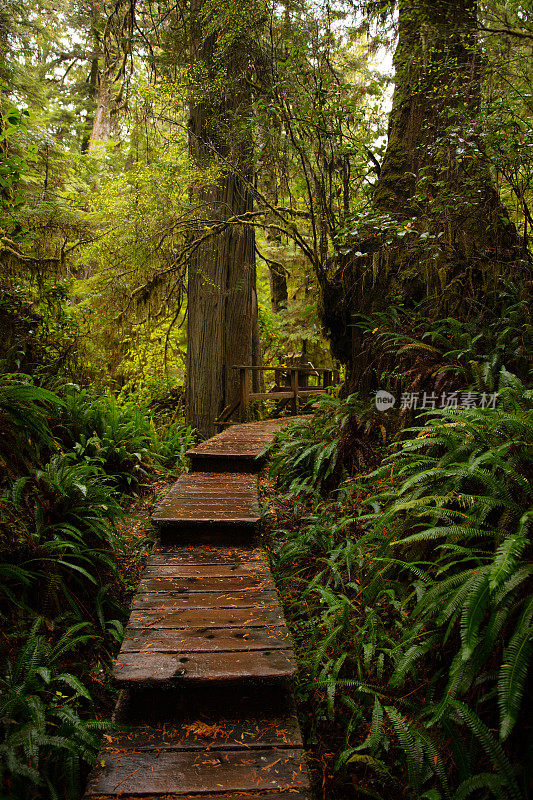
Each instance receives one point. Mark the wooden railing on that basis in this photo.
(291, 385)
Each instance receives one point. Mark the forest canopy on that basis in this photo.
(340, 185)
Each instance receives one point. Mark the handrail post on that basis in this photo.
(245, 390)
(294, 388)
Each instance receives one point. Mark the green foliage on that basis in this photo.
(414, 618)
(60, 547)
(24, 420)
(60, 544)
(410, 352)
(116, 436)
(12, 165)
(305, 454)
(40, 337)
(121, 437)
(45, 735)
(309, 455)
(172, 442)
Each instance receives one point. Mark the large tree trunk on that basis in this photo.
(102, 120)
(435, 165)
(222, 308)
(116, 51)
(443, 234)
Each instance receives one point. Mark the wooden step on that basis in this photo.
(172, 554)
(206, 618)
(222, 503)
(204, 621)
(212, 754)
(225, 598)
(196, 572)
(209, 732)
(166, 583)
(168, 640)
(290, 794)
(237, 448)
(149, 668)
(178, 772)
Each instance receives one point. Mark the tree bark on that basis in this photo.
(116, 51)
(222, 309)
(437, 231)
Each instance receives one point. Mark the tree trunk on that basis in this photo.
(221, 281)
(116, 52)
(92, 82)
(279, 293)
(435, 165)
(101, 127)
(443, 234)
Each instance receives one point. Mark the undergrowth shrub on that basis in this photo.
(65, 535)
(46, 737)
(415, 617)
(406, 351)
(63, 465)
(25, 412)
(309, 456)
(121, 437)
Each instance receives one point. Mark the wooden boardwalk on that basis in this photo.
(236, 449)
(206, 657)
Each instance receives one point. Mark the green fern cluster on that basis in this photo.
(64, 461)
(25, 412)
(306, 456)
(44, 740)
(66, 515)
(409, 352)
(414, 618)
(121, 437)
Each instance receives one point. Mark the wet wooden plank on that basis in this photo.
(233, 497)
(168, 640)
(207, 618)
(204, 485)
(202, 516)
(211, 732)
(246, 439)
(151, 668)
(197, 584)
(237, 598)
(208, 499)
(176, 554)
(179, 773)
(217, 479)
(226, 570)
(289, 794)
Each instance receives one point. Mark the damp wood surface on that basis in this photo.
(168, 640)
(206, 659)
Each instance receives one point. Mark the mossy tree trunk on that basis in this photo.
(437, 230)
(222, 303)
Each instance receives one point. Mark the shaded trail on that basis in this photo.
(206, 657)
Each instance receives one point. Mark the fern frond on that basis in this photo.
(491, 746)
(514, 671)
(410, 745)
(484, 780)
